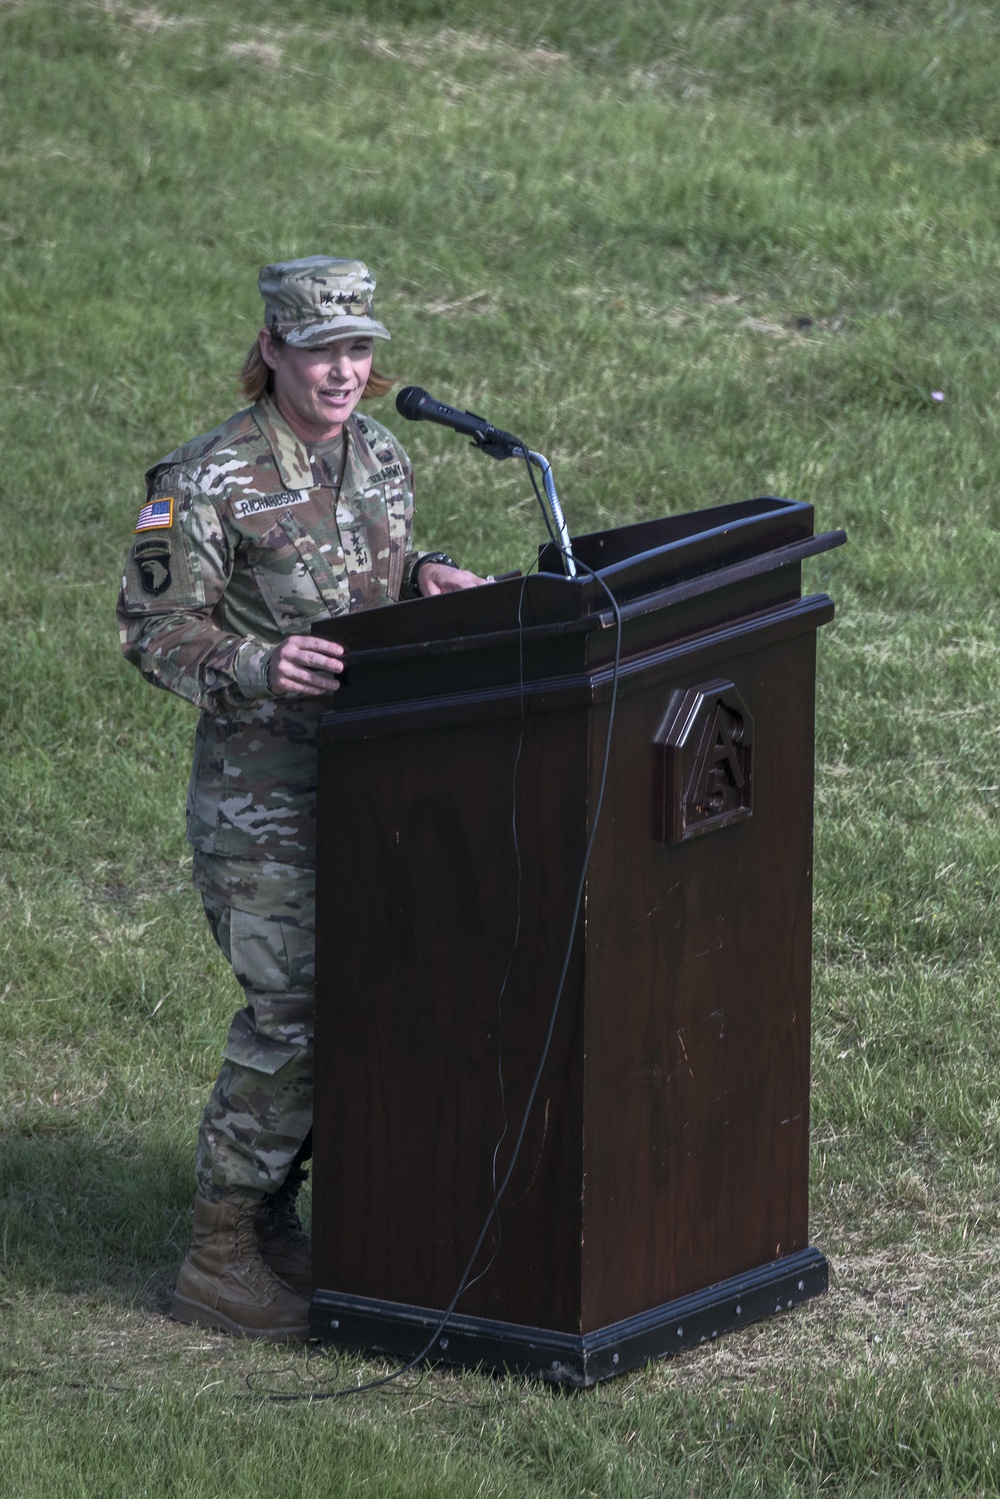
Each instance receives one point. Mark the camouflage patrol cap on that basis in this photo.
(311, 302)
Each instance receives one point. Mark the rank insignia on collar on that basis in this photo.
(158, 515)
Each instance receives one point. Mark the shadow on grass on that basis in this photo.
(79, 1214)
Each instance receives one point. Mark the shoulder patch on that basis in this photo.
(158, 515)
(152, 558)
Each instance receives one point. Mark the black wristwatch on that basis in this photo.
(428, 557)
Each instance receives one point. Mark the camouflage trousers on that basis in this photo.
(259, 1116)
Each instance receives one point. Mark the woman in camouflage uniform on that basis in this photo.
(294, 510)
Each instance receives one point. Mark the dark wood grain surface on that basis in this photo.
(667, 1148)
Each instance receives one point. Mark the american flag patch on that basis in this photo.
(158, 515)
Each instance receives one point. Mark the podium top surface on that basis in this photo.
(641, 589)
(635, 563)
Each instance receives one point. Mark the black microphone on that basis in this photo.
(417, 406)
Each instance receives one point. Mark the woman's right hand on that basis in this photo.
(305, 666)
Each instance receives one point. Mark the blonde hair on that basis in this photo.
(257, 377)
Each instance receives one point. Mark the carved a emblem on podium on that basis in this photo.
(703, 768)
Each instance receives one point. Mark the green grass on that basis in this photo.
(695, 251)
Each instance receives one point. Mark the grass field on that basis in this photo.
(696, 252)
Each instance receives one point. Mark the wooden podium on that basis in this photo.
(660, 1194)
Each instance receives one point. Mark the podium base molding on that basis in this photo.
(363, 1324)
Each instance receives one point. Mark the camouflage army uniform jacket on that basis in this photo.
(237, 547)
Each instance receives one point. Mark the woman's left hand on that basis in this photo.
(438, 577)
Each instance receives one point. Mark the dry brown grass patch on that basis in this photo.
(450, 46)
(145, 18)
(263, 53)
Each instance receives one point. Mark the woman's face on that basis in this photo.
(317, 389)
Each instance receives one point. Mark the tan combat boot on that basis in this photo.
(284, 1243)
(224, 1283)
